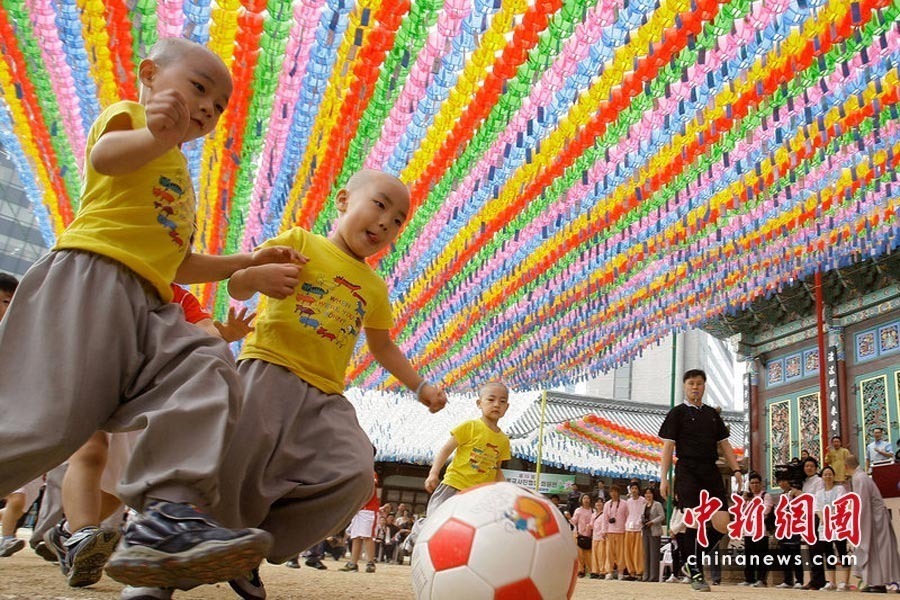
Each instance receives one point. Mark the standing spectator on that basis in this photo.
(634, 557)
(789, 547)
(598, 547)
(404, 522)
(823, 548)
(616, 514)
(601, 494)
(389, 533)
(696, 433)
(876, 555)
(574, 499)
(835, 458)
(755, 569)
(879, 450)
(582, 521)
(362, 534)
(651, 534)
(813, 484)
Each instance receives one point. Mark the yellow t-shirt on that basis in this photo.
(478, 455)
(313, 333)
(835, 459)
(143, 219)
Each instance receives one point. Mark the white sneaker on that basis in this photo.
(784, 586)
(745, 584)
(145, 593)
(610, 577)
(685, 580)
(672, 579)
(798, 586)
(760, 583)
(842, 587)
(829, 586)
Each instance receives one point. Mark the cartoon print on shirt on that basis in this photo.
(336, 302)
(170, 205)
(484, 461)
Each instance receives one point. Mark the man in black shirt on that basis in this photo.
(696, 433)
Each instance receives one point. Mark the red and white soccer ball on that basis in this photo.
(496, 541)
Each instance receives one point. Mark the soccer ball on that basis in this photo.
(495, 541)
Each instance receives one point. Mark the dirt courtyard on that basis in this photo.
(26, 576)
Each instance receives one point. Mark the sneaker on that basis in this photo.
(56, 538)
(370, 567)
(842, 587)
(685, 580)
(87, 551)
(45, 552)
(595, 576)
(10, 546)
(760, 584)
(316, 564)
(350, 568)
(672, 579)
(292, 564)
(829, 586)
(798, 586)
(784, 586)
(145, 593)
(249, 587)
(172, 545)
(698, 584)
(745, 584)
(610, 577)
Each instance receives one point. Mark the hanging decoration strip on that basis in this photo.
(587, 176)
(20, 95)
(605, 434)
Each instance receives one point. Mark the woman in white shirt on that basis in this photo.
(812, 483)
(830, 492)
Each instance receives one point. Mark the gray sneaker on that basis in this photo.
(87, 551)
(10, 546)
(698, 585)
(173, 545)
(45, 552)
(56, 538)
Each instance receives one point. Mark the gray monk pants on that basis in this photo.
(85, 345)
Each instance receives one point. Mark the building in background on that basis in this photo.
(21, 242)
(648, 378)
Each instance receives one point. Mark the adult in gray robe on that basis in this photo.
(877, 560)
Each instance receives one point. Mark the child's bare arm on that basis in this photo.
(434, 475)
(391, 357)
(200, 268)
(123, 149)
(273, 280)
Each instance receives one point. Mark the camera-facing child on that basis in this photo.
(480, 448)
(300, 466)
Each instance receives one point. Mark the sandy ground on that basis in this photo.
(26, 576)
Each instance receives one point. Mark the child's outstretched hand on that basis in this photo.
(277, 254)
(435, 399)
(237, 326)
(168, 117)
